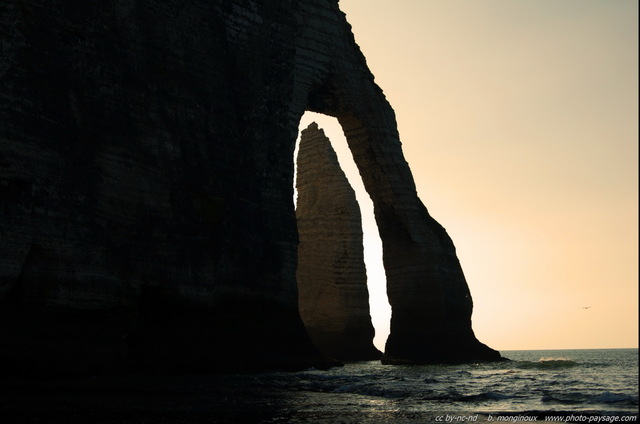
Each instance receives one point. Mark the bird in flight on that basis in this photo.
(586, 307)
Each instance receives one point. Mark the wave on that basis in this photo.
(408, 391)
(609, 397)
(547, 363)
(373, 390)
(454, 396)
(487, 396)
(574, 398)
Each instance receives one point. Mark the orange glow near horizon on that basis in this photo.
(519, 122)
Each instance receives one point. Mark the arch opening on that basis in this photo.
(379, 308)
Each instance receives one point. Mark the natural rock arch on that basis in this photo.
(430, 300)
(146, 174)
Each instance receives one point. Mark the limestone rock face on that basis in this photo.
(146, 178)
(332, 280)
(146, 186)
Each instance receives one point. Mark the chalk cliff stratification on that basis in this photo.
(146, 178)
(332, 279)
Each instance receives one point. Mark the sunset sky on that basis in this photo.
(519, 122)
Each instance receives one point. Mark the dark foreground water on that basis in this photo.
(547, 386)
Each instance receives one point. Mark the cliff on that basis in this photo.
(146, 178)
(332, 279)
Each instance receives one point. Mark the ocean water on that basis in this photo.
(544, 385)
(589, 386)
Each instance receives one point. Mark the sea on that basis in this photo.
(584, 386)
(534, 386)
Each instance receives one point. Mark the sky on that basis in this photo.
(519, 120)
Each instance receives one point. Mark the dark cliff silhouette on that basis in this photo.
(146, 182)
